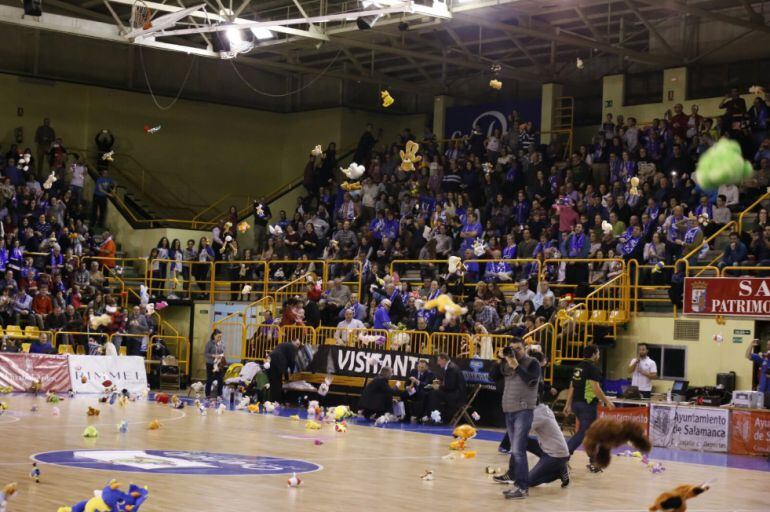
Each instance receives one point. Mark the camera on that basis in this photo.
(507, 351)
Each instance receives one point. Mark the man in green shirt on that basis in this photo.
(583, 398)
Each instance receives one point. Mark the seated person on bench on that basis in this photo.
(447, 395)
(417, 386)
(377, 397)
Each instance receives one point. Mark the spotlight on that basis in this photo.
(232, 41)
(367, 22)
(33, 8)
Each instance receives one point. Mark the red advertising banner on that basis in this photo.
(635, 414)
(20, 370)
(750, 432)
(727, 296)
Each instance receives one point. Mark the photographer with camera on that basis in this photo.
(521, 375)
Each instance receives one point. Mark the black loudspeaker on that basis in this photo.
(726, 381)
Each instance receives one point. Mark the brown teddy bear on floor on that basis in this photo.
(606, 433)
(676, 500)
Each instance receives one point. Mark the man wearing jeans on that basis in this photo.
(521, 374)
(584, 396)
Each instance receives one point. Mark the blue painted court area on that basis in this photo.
(176, 462)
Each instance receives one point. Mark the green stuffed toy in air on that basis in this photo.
(723, 164)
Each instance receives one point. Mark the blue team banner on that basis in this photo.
(460, 120)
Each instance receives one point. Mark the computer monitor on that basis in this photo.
(679, 387)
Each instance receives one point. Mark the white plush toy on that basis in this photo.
(245, 401)
(456, 265)
(144, 295)
(24, 161)
(353, 171)
(606, 227)
(317, 151)
(323, 388)
(50, 180)
(479, 247)
(276, 230)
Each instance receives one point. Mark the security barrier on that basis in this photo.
(454, 344)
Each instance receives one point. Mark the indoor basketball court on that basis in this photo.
(245, 459)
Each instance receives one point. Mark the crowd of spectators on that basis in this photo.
(47, 235)
(522, 200)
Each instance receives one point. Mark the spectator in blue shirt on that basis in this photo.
(102, 190)
(735, 253)
(42, 345)
(763, 360)
(470, 231)
(382, 316)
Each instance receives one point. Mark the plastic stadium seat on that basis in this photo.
(581, 315)
(65, 349)
(14, 331)
(32, 331)
(25, 347)
(598, 315)
(617, 316)
(123, 351)
(80, 350)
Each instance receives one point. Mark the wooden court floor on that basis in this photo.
(364, 468)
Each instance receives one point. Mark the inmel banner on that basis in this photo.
(750, 432)
(689, 428)
(87, 373)
(19, 371)
(727, 296)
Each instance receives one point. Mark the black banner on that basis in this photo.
(355, 362)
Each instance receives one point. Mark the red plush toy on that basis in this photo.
(162, 398)
(606, 433)
(676, 500)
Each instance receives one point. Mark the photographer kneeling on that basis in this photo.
(521, 374)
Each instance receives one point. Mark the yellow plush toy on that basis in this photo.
(387, 99)
(464, 432)
(351, 186)
(445, 305)
(312, 425)
(154, 425)
(496, 84)
(410, 156)
(253, 408)
(457, 444)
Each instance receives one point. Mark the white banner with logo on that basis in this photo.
(690, 428)
(88, 373)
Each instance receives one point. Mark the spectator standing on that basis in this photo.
(44, 137)
(102, 190)
(583, 398)
(521, 374)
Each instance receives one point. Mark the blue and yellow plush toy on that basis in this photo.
(112, 499)
(722, 164)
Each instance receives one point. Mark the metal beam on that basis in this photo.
(707, 14)
(557, 35)
(477, 64)
(589, 24)
(649, 27)
(110, 32)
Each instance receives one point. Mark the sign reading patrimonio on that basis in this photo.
(727, 296)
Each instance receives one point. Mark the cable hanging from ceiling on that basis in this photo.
(149, 87)
(283, 95)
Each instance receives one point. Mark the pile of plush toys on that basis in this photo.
(112, 499)
(654, 467)
(462, 433)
